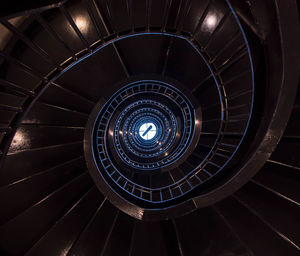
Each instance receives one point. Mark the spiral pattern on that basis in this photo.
(165, 108)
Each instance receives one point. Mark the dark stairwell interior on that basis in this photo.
(205, 89)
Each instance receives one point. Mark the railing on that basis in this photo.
(234, 116)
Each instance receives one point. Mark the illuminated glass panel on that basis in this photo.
(147, 131)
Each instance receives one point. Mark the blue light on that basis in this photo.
(148, 131)
(112, 170)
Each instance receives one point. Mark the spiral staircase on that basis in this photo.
(150, 127)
